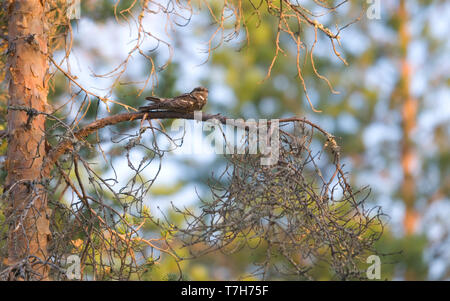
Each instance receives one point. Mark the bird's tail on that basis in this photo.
(153, 106)
(154, 99)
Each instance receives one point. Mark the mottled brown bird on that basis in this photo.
(188, 102)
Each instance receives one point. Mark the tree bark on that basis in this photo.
(27, 75)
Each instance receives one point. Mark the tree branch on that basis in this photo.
(68, 143)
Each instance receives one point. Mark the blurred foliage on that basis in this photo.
(360, 106)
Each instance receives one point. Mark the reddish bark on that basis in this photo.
(27, 69)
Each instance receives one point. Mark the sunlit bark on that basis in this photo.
(27, 66)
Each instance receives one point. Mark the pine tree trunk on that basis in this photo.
(409, 115)
(27, 66)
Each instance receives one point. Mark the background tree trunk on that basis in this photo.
(409, 115)
(27, 67)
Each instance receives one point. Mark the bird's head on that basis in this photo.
(200, 89)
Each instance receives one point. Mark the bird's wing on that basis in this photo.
(184, 101)
(183, 96)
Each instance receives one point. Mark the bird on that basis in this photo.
(185, 103)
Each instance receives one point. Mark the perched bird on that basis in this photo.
(188, 102)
